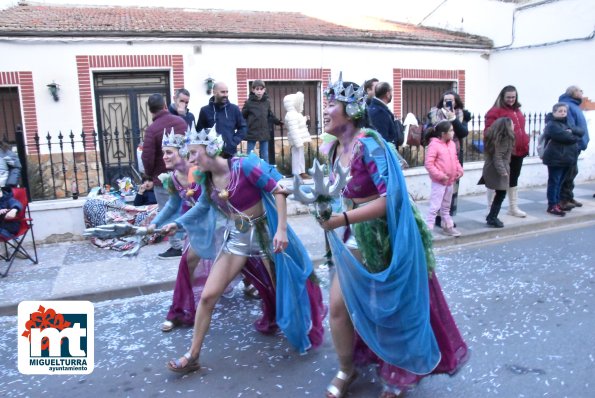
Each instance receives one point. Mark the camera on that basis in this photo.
(448, 104)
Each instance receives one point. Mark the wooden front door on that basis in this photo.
(277, 90)
(420, 96)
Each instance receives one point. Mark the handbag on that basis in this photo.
(414, 135)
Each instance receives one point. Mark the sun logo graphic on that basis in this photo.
(56, 337)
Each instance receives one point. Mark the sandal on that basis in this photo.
(251, 291)
(168, 326)
(192, 365)
(332, 391)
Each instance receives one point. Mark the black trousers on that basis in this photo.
(566, 191)
(516, 163)
(496, 205)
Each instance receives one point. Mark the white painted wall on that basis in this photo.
(542, 74)
(52, 60)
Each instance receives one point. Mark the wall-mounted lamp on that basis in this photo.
(210, 82)
(54, 88)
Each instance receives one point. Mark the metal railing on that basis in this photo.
(472, 145)
(60, 168)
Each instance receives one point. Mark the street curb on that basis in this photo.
(125, 292)
(494, 234)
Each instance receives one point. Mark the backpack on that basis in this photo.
(542, 142)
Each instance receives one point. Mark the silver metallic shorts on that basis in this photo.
(241, 237)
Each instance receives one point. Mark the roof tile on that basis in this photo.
(30, 20)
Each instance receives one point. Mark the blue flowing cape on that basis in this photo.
(390, 309)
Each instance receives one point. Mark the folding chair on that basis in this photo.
(14, 246)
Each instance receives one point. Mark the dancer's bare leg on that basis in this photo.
(342, 331)
(226, 268)
(192, 260)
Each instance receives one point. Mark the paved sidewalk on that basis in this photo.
(81, 271)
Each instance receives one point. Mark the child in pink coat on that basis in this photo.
(444, 169)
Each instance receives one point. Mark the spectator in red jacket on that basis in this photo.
(507, 105)
(152, 156)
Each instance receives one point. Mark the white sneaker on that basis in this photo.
(452, 231)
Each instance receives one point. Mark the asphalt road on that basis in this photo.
(525, 307)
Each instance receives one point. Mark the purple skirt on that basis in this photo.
(450, 342)
(256, 272)
(187, 293)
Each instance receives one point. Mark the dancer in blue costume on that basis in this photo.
(386, 306)
(259, 243)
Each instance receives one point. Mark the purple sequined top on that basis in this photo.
(187, 201)
(365, 177)
(242, 188)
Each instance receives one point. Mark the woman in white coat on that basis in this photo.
(297, 132)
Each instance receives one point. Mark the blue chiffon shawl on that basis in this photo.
(390, 310)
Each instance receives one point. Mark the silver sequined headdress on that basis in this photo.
(174, 140)
(354, 98)
(208, 137)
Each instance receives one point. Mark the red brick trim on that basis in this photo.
(587, 104)
(244, 75)
(24, 81)
(400, 74)
(85, 63)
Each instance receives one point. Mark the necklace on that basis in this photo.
(231, 186)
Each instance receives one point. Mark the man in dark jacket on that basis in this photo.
(380, 117)
(258, 114)
(152, 156)
(228, 117)
(573, 97)
(180, 106)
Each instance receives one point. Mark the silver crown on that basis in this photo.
(210, 138)
(192, 135)
(207, 135)
(355, 99)
(173, 140)
(344, 94)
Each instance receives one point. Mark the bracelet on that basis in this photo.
(346, 219)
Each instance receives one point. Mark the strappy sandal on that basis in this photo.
(251, 292)
(192, 365)
(332, 391)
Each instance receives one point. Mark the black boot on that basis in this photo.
(492, 218)
(494, 222)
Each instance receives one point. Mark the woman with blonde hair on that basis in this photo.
(246, 192)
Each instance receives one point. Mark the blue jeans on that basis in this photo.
(264, 148)
(554, 183)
